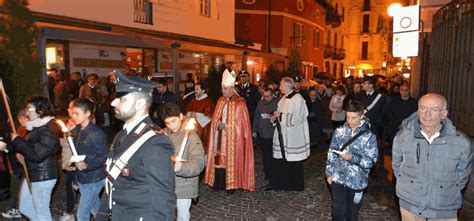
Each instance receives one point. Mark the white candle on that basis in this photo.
(189, 126)
(183, 146)
(71, 144)
(68, 137)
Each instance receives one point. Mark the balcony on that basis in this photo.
(328, 51)
(339, 54)
(143, 12)
(332, 17)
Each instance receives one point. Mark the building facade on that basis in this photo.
(334, 52)
(367, 37)
(279, 27)
(164, 38)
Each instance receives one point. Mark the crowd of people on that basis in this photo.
(167, 144)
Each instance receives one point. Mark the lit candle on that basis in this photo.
(188, 128)
(75, 157)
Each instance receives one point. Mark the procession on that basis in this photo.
(159, 116)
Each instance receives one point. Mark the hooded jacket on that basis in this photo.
(430, 177)
(355, 172)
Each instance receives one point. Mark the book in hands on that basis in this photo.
(338, 152)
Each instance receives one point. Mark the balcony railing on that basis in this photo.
(328, 51)
(143, 12)
(332, 17)
(340, 53)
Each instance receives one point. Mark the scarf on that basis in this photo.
(38, 122)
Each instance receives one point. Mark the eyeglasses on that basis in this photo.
(433, 110)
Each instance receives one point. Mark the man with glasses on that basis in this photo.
(432, 163)
(263, 129)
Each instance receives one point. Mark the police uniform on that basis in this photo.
(251, 95)
(145, 188)
(304, 93)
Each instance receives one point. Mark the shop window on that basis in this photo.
(55, 56)
(149, 62)
(135, 59)
(143, 11)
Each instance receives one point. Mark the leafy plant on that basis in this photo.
(294, 64)
(214, 82)
(19, 66)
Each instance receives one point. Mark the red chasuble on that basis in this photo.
(234, 147)
(206, 107)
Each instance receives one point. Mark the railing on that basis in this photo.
(340, 54)
(332, 17)
(328, 51)
(143, 12)
(451, 57)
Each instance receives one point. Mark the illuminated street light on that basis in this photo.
(394, 9)
(249, 62)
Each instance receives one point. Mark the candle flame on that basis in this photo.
(63, 126)
(190, 125)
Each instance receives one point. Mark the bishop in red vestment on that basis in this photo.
(230, 161)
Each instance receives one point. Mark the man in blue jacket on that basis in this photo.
(432, 162)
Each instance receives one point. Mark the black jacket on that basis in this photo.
(40, 148)
(148, 190)
(251, 95)
(375, 114)
(397, 110)
(92, 142)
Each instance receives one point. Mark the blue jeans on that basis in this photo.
(35, 206)
(89, 202)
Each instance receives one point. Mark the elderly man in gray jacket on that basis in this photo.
(431, 161)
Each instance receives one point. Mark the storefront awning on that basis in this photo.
(102, 38)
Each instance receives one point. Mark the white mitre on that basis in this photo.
(228, 79)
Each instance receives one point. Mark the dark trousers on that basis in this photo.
(70, 195)
(343, 206)
(267, 150)
(287, 175)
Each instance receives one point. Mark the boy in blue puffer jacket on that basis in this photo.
(348, 165)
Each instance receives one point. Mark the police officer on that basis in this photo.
(143, 189)
(303, 92)
(249, 92)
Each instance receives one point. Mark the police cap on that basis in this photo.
(298, 79)
(127, 84)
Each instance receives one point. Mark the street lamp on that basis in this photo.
(393, 9)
